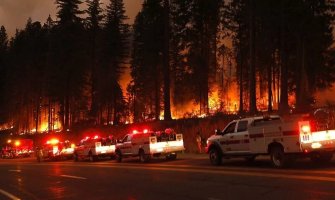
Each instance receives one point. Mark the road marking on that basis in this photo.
(75, 177)
(14, 170)
(9, 195)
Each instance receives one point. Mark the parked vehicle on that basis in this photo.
(149, 144)
(54, 149)
(283, 140)
(18, 148)
(93, 148)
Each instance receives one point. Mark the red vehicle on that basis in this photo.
(53, 149)
(18, 148)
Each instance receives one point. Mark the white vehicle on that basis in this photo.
(94, 148)
(150, 144)
(282, 140)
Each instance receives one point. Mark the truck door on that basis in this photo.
(126, 144)
(227, 139)
(241, 137)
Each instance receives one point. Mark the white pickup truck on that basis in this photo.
(94, 148)
(149, 144)
(282, 140)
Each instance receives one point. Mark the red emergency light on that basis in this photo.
(145, 131)
(53, 141)
(135, 131)
(17, 143)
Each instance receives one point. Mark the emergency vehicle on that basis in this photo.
(94, 148)
(54, 149)
(149, 144)
(17, 148)
(282, 140)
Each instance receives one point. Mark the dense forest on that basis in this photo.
(186, 58)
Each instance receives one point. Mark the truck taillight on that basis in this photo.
(179, 137)
(153, 140)
(305, 128)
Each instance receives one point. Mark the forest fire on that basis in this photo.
(44, 127)
(218, 101)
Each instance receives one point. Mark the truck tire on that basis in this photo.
(278, 157)
(39, 158)
(215, 157)
(172, 156)
(143, 158)
(75, 157)
(118, 156)
(91, 157)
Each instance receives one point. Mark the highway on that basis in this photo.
(189, 177)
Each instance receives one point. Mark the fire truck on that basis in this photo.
(283, 140)
(54, 149)
(94, 148)
(17, 148)
(149, 144)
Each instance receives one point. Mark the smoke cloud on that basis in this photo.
(15, 13)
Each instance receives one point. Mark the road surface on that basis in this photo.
(189, 177)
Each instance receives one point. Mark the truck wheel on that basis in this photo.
(75, 157)
(39, 159)
(278, 157)
(172, 156)
(118, 156)
(91, 157)
(143, 158)
(215, 157)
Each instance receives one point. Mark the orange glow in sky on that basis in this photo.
(15, 13)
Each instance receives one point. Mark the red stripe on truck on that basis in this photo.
(234, 142)
(258, 135)
(290, 133)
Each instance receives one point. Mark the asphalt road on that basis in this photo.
(188, 177)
